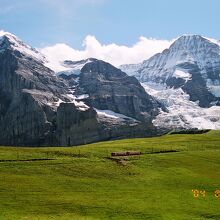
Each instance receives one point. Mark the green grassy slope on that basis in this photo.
(83, 183)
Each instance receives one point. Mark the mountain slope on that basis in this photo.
(38, 108)
(29, 95)
(110, 88)
(186, 78)
(119, 100)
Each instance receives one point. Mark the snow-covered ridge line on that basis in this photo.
(68, 67)
(4, 33)
(17, 44)
(213, 40)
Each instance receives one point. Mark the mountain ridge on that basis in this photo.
(91, 100)
(191, 67)
(39, 109)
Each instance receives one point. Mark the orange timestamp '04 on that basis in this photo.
(202, 193)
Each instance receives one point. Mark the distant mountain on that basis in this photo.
(109, 88)
(186, 79)
(74, 67)
(92, 101)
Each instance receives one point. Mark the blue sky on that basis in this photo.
(46, 22)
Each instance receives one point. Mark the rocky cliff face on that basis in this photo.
(109, 88)
(122, 106)
(76, 127)
(26, 87)
(37, 108)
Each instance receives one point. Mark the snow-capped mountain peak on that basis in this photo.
(194, 45)
(187, 75)
(8, 40)
(187, 51)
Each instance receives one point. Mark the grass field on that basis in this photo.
(85, 183)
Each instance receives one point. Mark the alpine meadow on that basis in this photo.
(109, 110)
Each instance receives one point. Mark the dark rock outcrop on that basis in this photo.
(110, 88)
(76, 127)
(26, 88)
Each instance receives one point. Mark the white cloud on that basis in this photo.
(112, 53)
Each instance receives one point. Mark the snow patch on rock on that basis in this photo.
(182, 74)
(78, 103)
(72, 99)
(114, 115)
